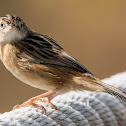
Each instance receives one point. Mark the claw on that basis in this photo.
(16, 107)
(39, 106)
(48, 101)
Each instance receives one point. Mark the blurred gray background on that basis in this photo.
(92, 31)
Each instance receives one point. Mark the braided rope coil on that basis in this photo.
(75, 109)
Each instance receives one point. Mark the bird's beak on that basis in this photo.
(12, 26)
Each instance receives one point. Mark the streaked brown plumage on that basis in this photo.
(39, 61)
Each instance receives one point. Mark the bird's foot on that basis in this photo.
(32, 104)
(48, 100)
(50, 95)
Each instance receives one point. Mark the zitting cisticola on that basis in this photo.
(39, 61)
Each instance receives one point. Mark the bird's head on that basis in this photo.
(12, 28)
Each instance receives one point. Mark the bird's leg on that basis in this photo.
(32, 101)
(48, 99)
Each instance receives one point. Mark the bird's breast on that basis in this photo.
(31, 77)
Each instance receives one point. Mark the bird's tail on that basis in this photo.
(113, 91)
(89, 82)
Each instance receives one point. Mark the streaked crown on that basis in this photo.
(14, 21)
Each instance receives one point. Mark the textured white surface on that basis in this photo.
(75, 109)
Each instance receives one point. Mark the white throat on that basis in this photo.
(10, 36)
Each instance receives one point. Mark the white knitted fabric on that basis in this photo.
(75, 109)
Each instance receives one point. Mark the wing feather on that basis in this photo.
(44, 50)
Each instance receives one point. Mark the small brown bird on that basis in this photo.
(39, 61)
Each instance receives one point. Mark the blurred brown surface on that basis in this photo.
(91, 31)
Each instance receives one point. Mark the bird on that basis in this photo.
(39, 61)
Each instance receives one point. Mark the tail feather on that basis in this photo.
(120, 94)
(92, 83)
(114, 91)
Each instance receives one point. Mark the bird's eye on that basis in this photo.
(2, 25)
